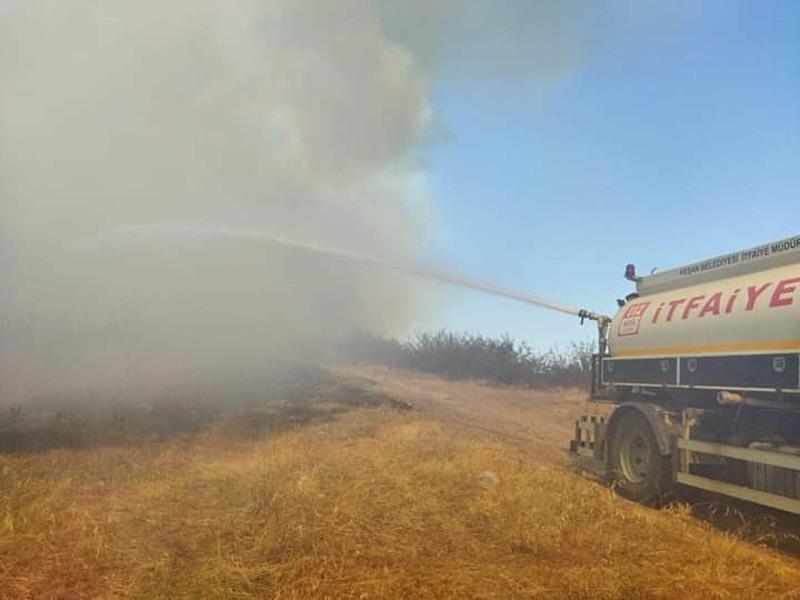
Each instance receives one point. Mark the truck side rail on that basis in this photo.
(684, 447)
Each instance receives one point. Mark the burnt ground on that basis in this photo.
(282, 398)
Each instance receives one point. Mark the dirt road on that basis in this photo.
(543, 419)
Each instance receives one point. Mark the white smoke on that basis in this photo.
(299, 118)
(294, 117)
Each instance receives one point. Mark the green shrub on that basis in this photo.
(464, 355)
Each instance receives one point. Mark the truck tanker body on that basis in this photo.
(702, 364)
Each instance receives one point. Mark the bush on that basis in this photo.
(463, 355)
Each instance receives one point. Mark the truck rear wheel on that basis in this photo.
(639, 470)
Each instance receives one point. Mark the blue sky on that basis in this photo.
(676, 136)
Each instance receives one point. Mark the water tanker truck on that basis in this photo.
(702, 366)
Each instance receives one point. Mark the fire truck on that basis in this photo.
(701, 365)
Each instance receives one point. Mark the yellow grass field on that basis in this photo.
(362, 503)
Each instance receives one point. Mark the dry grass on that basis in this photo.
(376, 504)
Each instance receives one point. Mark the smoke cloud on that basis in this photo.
(298, 118)
(294, 117)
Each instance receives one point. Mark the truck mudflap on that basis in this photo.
(590, 438)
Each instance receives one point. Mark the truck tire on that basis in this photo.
(639, 471)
